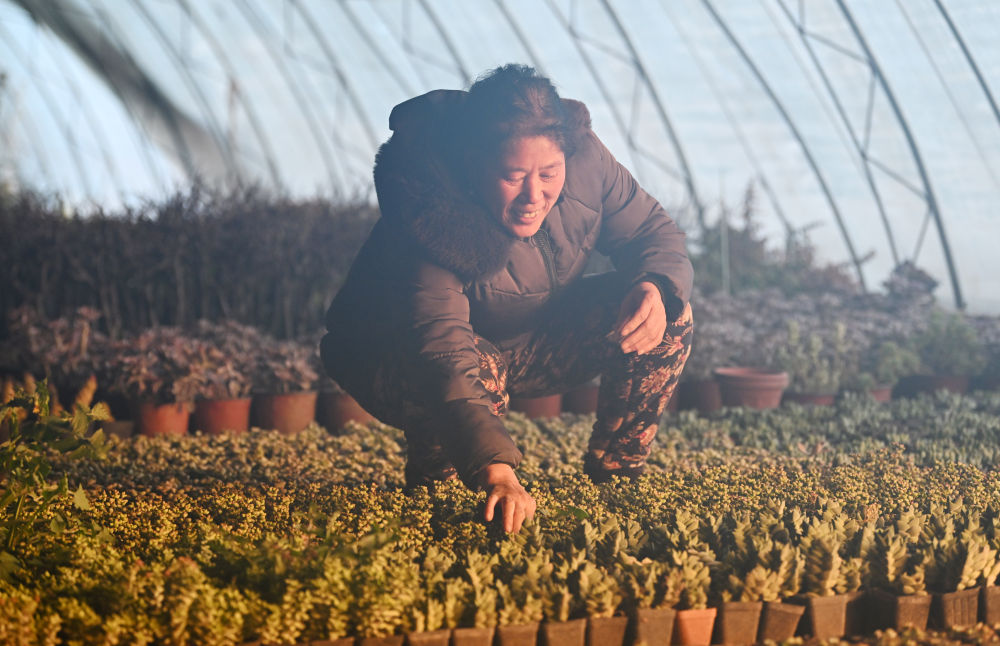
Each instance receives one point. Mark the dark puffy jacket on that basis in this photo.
(437, 266)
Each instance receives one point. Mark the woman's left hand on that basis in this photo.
(642, 319)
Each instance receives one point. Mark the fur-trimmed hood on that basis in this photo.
(423, 196)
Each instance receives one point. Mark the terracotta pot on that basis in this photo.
(161, 419)
(737, 621)
(856, 613)
(520, 635)
(881, 393)
(811, 399)
(652, 626)
(606, 631)
(582, 400)
(693, 627)
(920, 384)
(288, 413)
(989, 605)
(701, 395)
(335, 410)
(535, 407)
(426, 638)
(955, 609)
(472, 636)
(214, 416)
(564, 633)
(898, 612)
(778, 621)
(752, 387)
(393, 640)
(825, 617)
(343, 641)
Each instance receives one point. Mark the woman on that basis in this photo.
(470, 287)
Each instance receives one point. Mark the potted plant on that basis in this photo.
(284, 385)
(899, 593)
(224, 355)
(716, 345)
(694, 620)
(814, 369)
(826, 603)
(601, 596)
(652, 589)
(879, 368)
(521, 601)
(153, 370)
(479, 618)
(956, 570)
(950, 354)
(428, 616)
(382, 590)
(562, 623)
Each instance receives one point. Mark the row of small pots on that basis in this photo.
(288, 413)
(739, 622)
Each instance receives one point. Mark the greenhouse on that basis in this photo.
(186, 186)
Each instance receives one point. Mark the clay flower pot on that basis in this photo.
(989, 605)
(701, 395)
(519, 635)
(737, 621)
(918, 384)
(856, 617)
(335, 409)
(426, 638)
(214, 416)
(955, 609)
(472, 636)
(881, 393)
(752, 387)
(779, 621)
(606, 631)
(535, 407)
(288, 413)
(693, 627)
(826, 617)
(652, 626)
(564, 633)
(898, 612)
(161, 419)
(343, 641)
(393, 640)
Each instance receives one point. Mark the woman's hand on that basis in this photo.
(642, 319)
(503, 489)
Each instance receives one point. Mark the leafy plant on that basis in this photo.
(25, 467)
(811, 364)
(948, 345)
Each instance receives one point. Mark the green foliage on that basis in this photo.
(811, 364)
(28, 492)
(948, 345)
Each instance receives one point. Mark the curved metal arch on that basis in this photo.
(914, 150)
(536, 62)
(304, 105)
(733, 122)
(213, 125)
(661, 111)
(87, 44)
(220, 54)
(352, 96)
(358, 26)
(34, 136)
(49, 101)
(88, 115)
(798, 136)
(845, 119)
(601, 86)
(446, 39)
(970, 59)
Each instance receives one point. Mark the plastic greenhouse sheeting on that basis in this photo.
(873, 126)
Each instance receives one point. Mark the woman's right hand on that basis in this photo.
(504, 491)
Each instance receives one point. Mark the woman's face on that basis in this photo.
(524, 184)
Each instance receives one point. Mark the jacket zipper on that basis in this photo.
(545, 247)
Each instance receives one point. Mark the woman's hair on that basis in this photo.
(510, 102)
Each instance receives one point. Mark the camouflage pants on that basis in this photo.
(568, 349)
